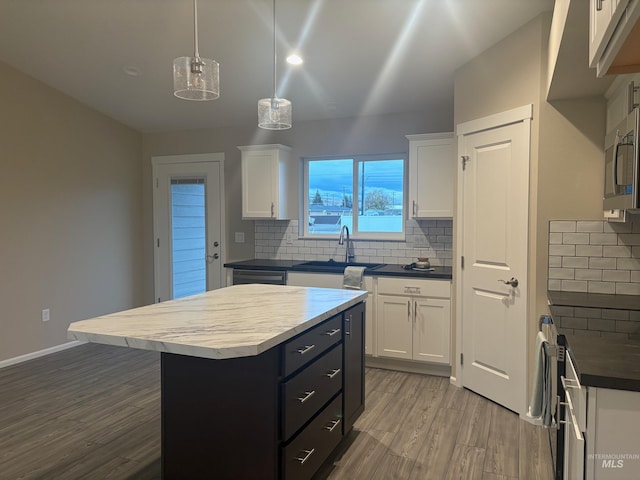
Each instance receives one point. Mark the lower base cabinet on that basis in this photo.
(414, 319)
(277, 415)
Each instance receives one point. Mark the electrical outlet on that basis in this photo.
(46, 315)
(289, 238)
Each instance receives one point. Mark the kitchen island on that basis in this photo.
(258, 381)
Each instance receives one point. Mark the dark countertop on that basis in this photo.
(386, 270)
(594, 300)
(606, 362)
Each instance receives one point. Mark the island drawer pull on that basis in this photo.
(333, 373)
(331, 333)
(307, 396)
(305, 349)
(332, 426)
(306, 457)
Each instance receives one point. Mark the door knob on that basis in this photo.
(513, 282)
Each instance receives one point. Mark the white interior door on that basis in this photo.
(494, 231)
(188, 224)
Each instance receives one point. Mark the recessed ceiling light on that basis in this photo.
(132, 71)
(294, 59)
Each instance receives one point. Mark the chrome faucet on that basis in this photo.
(347, 256)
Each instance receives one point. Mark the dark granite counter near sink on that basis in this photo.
(606, 362)
(384, 270)
(601, 359)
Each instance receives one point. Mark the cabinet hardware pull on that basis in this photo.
(272, 208)
(334, 424)
(414, 208)
(306, 457)
(305, 349)
(415, 310)
(568, 383)
(331, 333)
(348, 332)
(307, 396)
(599, 5)
(333, 373)
(409, 310)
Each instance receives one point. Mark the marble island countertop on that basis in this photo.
(237, 321)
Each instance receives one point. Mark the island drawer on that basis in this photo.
(301, 350)
(309, 390)
(304, 455)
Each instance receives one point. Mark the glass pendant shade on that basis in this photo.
(274, 113)
(196, 78)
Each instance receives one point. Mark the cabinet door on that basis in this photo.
(259, 184)
(432, 173)
(394, 317)
(353, 375)
(431, 335)
(599, 19)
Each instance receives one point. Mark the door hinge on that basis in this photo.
(462, 261)
(158, 242)
(465, 159)
(462, 359)
(157, 183)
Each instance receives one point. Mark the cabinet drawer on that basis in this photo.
(301, 350)
(416, 288)
(309, 390)
(304, 455)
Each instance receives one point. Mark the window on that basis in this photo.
(365, 193)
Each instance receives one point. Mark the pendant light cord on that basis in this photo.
(274, 49)
(195, 28)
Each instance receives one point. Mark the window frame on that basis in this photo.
(356, 159)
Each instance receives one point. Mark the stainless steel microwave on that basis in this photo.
(621, 167)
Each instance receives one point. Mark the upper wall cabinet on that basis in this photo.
(432, 172)
(266, 170)
(614, 36)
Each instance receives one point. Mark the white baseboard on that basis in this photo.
(408, 366)
(39, 353)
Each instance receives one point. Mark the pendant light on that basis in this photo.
(196, 78)
(274, 113)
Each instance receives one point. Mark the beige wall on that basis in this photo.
(70, 214)
(372, 134)
(566, 141)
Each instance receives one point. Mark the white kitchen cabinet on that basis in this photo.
(613, 443)
(332, 280)
(266, 173)
(614, 33)
(432, 173)
(413, 319)
(622, 97)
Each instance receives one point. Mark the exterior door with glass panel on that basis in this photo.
(188, 233)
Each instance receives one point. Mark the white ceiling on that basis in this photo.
(361, 56)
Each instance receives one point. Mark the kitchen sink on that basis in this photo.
(332, 265)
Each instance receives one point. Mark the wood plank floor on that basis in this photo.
(93, 412)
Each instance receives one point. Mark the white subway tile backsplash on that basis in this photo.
(562, 226)
(562, 273)
(555, 261)
(575, 262)
(586, 274)
(424, 238)
(589, 250)
(628, 264)
(602, 263)
(628, 288)
(574, 285)
(590, 226)
(616, 275)
(621, 251)
(555, 238)
(576, 238)
(603, 239)
(563, 250)
(602, 287)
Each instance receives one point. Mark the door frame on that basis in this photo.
(183, 159)
(522, 114)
